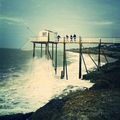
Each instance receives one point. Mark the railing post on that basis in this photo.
(48, 36)
(80, 58)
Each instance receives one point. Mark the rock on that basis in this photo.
(51, 111)
(107, 77)
(85, 105)
(18, 116)
(101, 84)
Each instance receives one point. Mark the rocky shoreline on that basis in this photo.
(100, 102)
(111, 50)
(87, 105)
(19, 116)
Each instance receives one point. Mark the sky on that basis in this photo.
(21, 19)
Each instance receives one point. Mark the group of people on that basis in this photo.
(71, 38)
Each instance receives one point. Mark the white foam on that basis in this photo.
(39, 84)
(42, 83)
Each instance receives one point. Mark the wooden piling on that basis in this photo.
(33, 50)
(52, 54)
(66, 66)
(64, 58)
(41, 49)
(48, 36)
(56, 60)
(46, 49)
(93, 60)
(85, 64)
(48, 45)
(105, 56)
(80, 58)
(99, 52)
(47, 53)
(52, 51)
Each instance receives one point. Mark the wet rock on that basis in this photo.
(18, 116)
(87, 105)
(101, 84)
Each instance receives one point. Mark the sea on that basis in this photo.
(28, 83)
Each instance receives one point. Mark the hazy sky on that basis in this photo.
(20, 19)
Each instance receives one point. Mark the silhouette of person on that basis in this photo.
(71, 37)
(67, 37)
(74, 36)
(58, 37)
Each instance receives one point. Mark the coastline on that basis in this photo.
(19, 116)
(101, 101)
(110, 51)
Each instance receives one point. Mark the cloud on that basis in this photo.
(11, 20)
(102, 22)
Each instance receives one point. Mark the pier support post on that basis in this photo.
(52, 51)
(41, 49)
(47, 53)
(99, 52)
(56, 60)
(52, 54)
(66, 66)
(64, 61)
(85, 64)
(33, 50)
(46, 49)
(63, 57)
(48, 45)
(80, 58)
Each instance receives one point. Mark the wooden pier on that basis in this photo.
(79, 42)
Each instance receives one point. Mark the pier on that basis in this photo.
(64, 41)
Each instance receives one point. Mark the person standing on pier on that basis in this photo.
(71, 37)
(74, 36)
(58, 37)
(67, 37)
